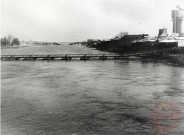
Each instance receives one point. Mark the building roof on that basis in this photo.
(178, 8)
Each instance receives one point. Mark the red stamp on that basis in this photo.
(165, 116)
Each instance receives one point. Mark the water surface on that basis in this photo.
(85, 97)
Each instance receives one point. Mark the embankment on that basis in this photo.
(175, 58)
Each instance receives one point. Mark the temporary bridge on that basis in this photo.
(150, 53)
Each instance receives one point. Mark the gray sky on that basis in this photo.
(77, 20)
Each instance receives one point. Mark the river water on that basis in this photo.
(111, 97)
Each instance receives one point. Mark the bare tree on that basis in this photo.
(15, 41)
(9, 39)
(4, 41)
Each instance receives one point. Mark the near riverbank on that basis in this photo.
(175, 58)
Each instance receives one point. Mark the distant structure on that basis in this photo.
(177, 16)
(163, 32)
(93, 41)
(120, 35)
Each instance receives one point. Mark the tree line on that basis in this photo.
(9, 41)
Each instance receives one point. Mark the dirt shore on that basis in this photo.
(175, 58)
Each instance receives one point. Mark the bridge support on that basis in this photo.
(84, 58)
(103, 57)
(66, 58)
(117, 57)
(49, 58)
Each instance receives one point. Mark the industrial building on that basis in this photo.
(177, 16)
(162, 32)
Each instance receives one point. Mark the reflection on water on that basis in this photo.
(86, 98)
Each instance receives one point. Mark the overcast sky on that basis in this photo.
(77, 20)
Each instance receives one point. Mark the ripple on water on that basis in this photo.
(85, 98)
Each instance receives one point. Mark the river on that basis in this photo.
(111, 97)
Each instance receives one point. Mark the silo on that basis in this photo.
(177, 16)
